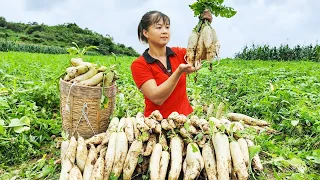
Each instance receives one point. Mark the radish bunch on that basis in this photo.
(203, 44)
(177, 147)
(89, 74)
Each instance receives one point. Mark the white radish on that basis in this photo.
(172, 124)
(176, 146)
(129, 130)
(184, 133)
(151, 123)
(136, 131)
(179, 119)
(194, 120)
(132, 159)
(70, 70)
(154, 165)
(191, 47)
(238, 162)
(163, 141)
(195, 162)
(102, 69)
(221, 156)
(217, 123)
(205, 124)
(156, 115)
(66, 166)
(121, 153)
(98, 168)
(209, 161)
(174, 115)
(213, 50)
(225, 121)
(260, 129)
(158, 128)
(192, 129)
(67, 77)
(110, 155)
(64, 149)
(164, 163)
(244, 149)
(238, 126)
(256, 163)
(91, 160)
(75, 173)
(150, 145)
(140, 122)
(220, 110)
(96, 139)
(165, 124)
(200, 47)
(93, 81)
(99, 147)
(113, 125)
(82, 153)
(207, 36)
(92, 71)
(121, 125)
(79, 61)
(246, 119)
(210, 109)
(226, 144)
(72, 149)
(217, 47)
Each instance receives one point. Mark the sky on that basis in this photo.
(272, 22)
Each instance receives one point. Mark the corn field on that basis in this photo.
(282, 53)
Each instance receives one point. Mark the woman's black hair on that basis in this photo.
(150, 18)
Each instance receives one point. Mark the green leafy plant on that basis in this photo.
(78, 51)
(215, 7)
(242, 85)
(18, 125)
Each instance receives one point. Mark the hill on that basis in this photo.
(61, 35)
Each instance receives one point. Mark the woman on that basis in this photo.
(160, 72)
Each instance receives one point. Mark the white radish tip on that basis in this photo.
(185, 59)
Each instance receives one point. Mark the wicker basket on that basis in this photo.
(80, 109)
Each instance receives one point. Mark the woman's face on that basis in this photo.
(158, 34)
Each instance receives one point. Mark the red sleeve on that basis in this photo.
(181, 52)
(141, 73)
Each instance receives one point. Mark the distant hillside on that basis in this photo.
(59, 36)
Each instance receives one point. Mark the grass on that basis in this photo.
(29, 90)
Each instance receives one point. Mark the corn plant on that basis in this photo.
(281, 53)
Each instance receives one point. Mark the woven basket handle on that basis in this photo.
(85, 115)
(67, 108)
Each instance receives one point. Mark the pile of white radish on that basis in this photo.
(203, 44)
(177, 147)
(89, 74)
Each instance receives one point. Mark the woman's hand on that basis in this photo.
(187, 68)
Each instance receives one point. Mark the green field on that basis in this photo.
(29, 97)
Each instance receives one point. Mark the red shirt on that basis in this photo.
(145, 68)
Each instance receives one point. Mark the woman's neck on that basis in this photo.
(156, 51)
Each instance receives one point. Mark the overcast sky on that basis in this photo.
(272, 22)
